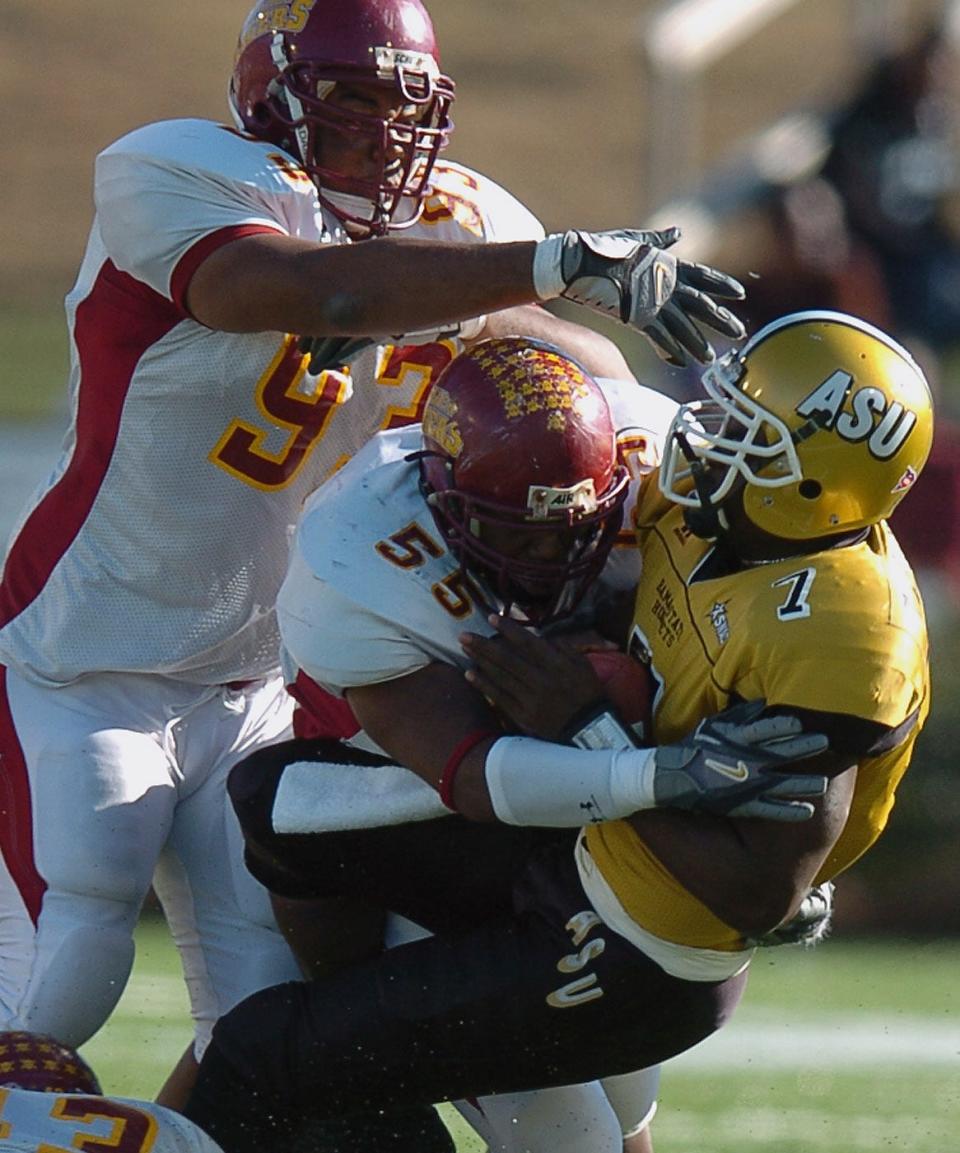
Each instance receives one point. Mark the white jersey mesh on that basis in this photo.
(161, 539)
(368, 597)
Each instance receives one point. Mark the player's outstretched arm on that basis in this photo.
(599, 355)
(736, 764)
(271, 282)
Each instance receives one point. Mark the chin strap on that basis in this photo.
(707, 521)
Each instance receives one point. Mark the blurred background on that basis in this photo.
(808, 146)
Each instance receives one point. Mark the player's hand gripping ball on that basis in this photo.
(629, 687)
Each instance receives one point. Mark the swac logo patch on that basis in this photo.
(862, 414)
(718, 618)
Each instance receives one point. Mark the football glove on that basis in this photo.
(334, 353)
(627, 274)
(809, 924)
(731, 764)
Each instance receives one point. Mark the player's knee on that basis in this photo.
(566, 1119)
(248, 1045)
(118, 874)
(83, 976)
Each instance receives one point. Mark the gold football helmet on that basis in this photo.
(827, 419)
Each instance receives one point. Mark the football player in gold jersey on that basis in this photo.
(769, 573)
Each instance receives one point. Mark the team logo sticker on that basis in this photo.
(906, 481)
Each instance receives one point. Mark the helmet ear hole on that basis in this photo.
(810, 489)
(261, 115)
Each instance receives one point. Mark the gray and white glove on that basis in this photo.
(732, 764)
(627, 274)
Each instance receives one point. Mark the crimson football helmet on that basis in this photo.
(520, 470)
(823, 421)
(41, 1063)
(289, 57)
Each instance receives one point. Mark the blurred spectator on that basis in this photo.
(807, 257)
(894, 164)
(929, 529)
(876, 232)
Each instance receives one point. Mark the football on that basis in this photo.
(629, 686)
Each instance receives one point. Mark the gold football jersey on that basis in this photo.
(840, 631)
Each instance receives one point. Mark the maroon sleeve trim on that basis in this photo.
(195, 256)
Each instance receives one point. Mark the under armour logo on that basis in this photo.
(592, 809)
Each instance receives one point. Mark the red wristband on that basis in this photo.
(455, 760)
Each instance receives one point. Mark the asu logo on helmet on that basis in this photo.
(825, 420)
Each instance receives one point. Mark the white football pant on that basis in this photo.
(108, 780)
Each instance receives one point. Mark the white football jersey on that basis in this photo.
(32, 1121)
(160, 539)
(372, 593)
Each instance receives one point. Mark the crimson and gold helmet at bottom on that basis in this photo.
(827, 421)
(518, 436)
(41, 1063)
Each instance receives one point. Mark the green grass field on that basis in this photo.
(854, 1048)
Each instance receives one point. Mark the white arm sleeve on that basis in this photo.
(534, 782)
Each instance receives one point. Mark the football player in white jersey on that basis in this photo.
(509, 499)
(51, 1099)
(138, 641)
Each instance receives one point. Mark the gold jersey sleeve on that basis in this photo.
(840, 631)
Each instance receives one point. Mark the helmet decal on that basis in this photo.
(907, 480)
(854, 412)
(820, 424)
(280, 16)
(440, 422)
(41, 1063)
(536, 380)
